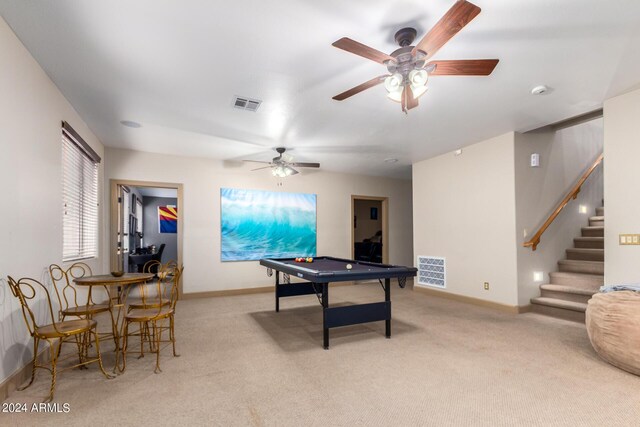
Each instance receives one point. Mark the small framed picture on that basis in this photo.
(133, 225)
(374, 213)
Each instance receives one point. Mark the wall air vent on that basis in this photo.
(244, 103)
(432, 272)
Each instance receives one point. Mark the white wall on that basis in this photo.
(31, 111)
(622, 186)
(464, 210)
(565, 154)
(203, 178)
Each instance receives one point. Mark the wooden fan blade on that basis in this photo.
(412, 102)
(364, 86)
(257, 169)
(360, 49)
(463, 67)
(448, 26)
(305, 165)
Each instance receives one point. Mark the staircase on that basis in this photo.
(579, 276)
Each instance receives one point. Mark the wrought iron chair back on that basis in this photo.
(172, 288)
(62, 283)
(167, 285)
(26, 290)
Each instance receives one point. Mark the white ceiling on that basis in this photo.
(174, 67)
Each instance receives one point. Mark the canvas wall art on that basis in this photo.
(265, 224)
(168, 219)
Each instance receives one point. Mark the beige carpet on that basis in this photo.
(447, 363)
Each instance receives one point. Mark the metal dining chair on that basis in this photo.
(151, 318)
(67, 295)
(30, 293)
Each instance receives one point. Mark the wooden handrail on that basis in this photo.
(535, 240)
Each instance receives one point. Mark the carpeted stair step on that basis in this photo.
(586, 254)
(568, 310)
(596, 221)
(600, 211)
(590, 282)
(589, 242)
(566, 293)
(577, 266)
(595, 231)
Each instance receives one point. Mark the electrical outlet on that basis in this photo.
(486, 286)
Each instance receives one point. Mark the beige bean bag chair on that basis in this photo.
(613, 325)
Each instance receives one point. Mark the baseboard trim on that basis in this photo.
(228, 292)
(244, 291)
(525, 308)
(20, 376)
(505, 308)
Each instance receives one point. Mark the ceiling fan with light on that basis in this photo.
(283, 164)
(408, 68)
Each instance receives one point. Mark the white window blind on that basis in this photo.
(80, 202)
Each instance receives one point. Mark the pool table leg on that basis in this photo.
(277, 288)
(325, 306)
(387, 298)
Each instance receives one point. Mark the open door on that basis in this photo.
(120, 248)
(370, 230)
(152, 229)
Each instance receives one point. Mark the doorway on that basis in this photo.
(146, 224)
(370, 229)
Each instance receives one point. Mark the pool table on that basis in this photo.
(317, 276)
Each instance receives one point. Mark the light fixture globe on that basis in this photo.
(395, 96)
(418, 77)
(393, 83)
(283, 171)
(418, 91)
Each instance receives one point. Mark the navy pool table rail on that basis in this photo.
(330, 269)
(324, 270)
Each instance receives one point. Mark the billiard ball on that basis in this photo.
(309, 259)
(349, 266)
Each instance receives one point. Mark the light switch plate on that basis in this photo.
(629, 239)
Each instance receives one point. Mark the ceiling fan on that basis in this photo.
(408, 67)
(282, 165)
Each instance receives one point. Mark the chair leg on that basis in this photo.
(142, 329)
(148, 335)
(36, 341)
(54, 361)
(114, 329)
(156, 334)
(125, 342)
(83, 342)
(172, 335)
(95, 335)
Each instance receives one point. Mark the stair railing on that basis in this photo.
(535, 240)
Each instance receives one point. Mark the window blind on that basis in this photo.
(80, 202)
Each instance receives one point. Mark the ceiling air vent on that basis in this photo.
(432, 271)
(244, 103)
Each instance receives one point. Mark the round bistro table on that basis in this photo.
(122, 284)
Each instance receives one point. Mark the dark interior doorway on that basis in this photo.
(370, 230)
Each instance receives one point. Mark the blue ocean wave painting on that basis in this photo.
(265, 224)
